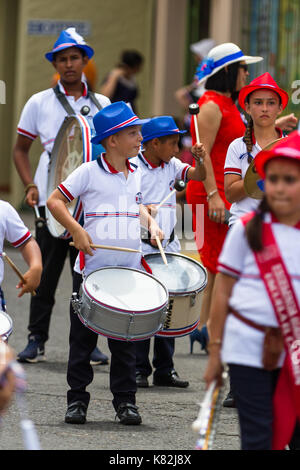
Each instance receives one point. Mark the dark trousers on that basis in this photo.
(253, 389)
(162, 356)
(80, 372)
(54, 253)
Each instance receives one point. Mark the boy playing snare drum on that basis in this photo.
(110, 191)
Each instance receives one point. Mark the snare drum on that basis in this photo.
(185, 279)
(6, 325)
(122, 303)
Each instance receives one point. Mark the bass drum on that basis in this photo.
(72, 147)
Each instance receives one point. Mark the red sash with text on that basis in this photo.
(286, 400)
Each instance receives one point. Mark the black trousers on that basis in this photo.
(162, 356)
(80, 372)
(253, 390)
(54, 253)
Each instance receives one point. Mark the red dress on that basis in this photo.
(210, 235)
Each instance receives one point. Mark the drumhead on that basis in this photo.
(71, 148)
(125, 289)
(6, 324)
(183, 275)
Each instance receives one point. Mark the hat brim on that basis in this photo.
(99, 137)
(87, 49)
(276, 151)
(245, 58)
(246, 90)
(161, 134)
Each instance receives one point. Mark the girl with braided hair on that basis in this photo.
(263, 101)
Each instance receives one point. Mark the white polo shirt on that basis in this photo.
(12, 229)
(242, 344)
(42, 117)
(157, 183)
(111, 211)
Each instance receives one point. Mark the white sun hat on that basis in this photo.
(219, 57)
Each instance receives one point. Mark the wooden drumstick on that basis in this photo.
(17, 271)
(107, 247)
(194, 110)
(161, 250)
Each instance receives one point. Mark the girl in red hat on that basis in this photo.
(255, 312)
(263, 101)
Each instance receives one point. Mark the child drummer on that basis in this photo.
(110, 191)
(160, 169)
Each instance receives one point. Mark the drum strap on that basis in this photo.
(66, 105)
(2, 301)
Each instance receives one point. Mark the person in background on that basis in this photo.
(120, 84)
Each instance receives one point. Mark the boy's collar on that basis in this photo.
(64, 91)
(149, 164)
(106, 166)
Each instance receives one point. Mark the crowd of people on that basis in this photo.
(247, 320)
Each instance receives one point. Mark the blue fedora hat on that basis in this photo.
(112, 119)
(69, 38)
(158, 127)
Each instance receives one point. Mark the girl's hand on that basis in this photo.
(216, 209)
(214, 369)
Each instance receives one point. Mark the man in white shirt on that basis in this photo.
(42, 117)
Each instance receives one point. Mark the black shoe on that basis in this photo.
(128, 414)
(76, 413)
(141, 381)
(229, 401)
(170, 380)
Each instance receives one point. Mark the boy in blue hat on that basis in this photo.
(110, 191)
(160, 168)
(42, 117)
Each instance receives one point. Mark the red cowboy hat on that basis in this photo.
(288, 147)
(266, 82)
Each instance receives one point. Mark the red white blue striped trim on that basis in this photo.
(232, 171)
(22, 240)
(171, 333)
(149, 164)
(65, 44)
(65, 192)
(86, 138)
(184, 172)
(134, 215)
(26, 133)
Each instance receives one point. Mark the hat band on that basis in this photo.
(122, 124)
(208, 65)
(65, 44)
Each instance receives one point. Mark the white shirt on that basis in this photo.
(111, 211)
(157, 183)
(242, 344)
(42, 117)
(12, 229)
(236, 163)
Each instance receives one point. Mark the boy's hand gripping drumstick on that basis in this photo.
(17, 271)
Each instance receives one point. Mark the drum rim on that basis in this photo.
(179, 255)
(121, 309)
(9, 331)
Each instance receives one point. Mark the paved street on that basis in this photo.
(167, 413)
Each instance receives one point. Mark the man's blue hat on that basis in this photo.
(158, 127)
(69, 38)
(112, 119)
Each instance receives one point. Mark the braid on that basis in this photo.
(248, 138)
(254, 226)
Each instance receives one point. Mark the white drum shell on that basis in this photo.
(184, 301)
